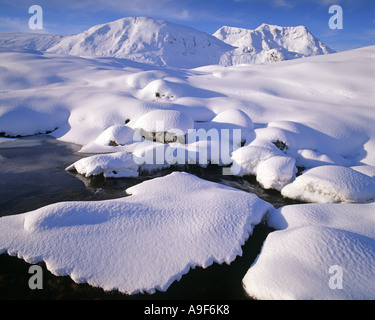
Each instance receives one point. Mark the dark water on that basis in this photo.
(32, 175)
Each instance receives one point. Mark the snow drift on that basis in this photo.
(330, 184)
(313, 240)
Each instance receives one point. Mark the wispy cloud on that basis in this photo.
(283, 3)
(168, 8)
(163, 8)
(14, 24)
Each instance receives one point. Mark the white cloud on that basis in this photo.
(16, 24)
(283, 3)
(165, 8)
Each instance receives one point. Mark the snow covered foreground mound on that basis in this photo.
(163, 43)
(328, 184)
(321, 251)
(141, 242)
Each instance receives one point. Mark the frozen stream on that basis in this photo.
(32, 175)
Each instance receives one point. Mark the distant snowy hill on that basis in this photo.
(163, 43)
(269, 43)
(28, 41)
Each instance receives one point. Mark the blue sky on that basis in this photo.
(74, 16)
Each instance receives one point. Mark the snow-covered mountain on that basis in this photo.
(146, 40)
(269, 43)
(163, 43)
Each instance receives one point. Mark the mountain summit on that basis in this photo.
(269, 43)
(146, 40)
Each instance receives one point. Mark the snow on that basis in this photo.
(145, 40)
(113, 165)
(269, 43)
(139, 243)
(119, 135)
(272, 168)
(286, 101)
(306, 130)
(276, 172)
(312, 240)
(234, 119)
(330, 184)
(171, 121)
(163, 43)
(114, 139)
(367, 170)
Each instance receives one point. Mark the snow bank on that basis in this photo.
(140, 243)
(330, 184)
(234, 119)
(249, 157)
(172, 121)
(117, 138)
(113, 165)
(118, 135)
(276, 172)
(84, 97)
(321, 252)
(272, 168)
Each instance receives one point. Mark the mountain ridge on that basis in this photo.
(163, 43)
(270, 43)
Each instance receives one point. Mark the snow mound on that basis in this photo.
(139, 243)
(172, 121)
(321, 252)
(118, 135)
(272, 168)
(234, 119)
(276, 172)
(249, 157)
(140, 80)
(328, 184)
(269, 43)
(114, 139)
(113, 165)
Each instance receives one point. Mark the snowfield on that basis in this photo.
(161, 97)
